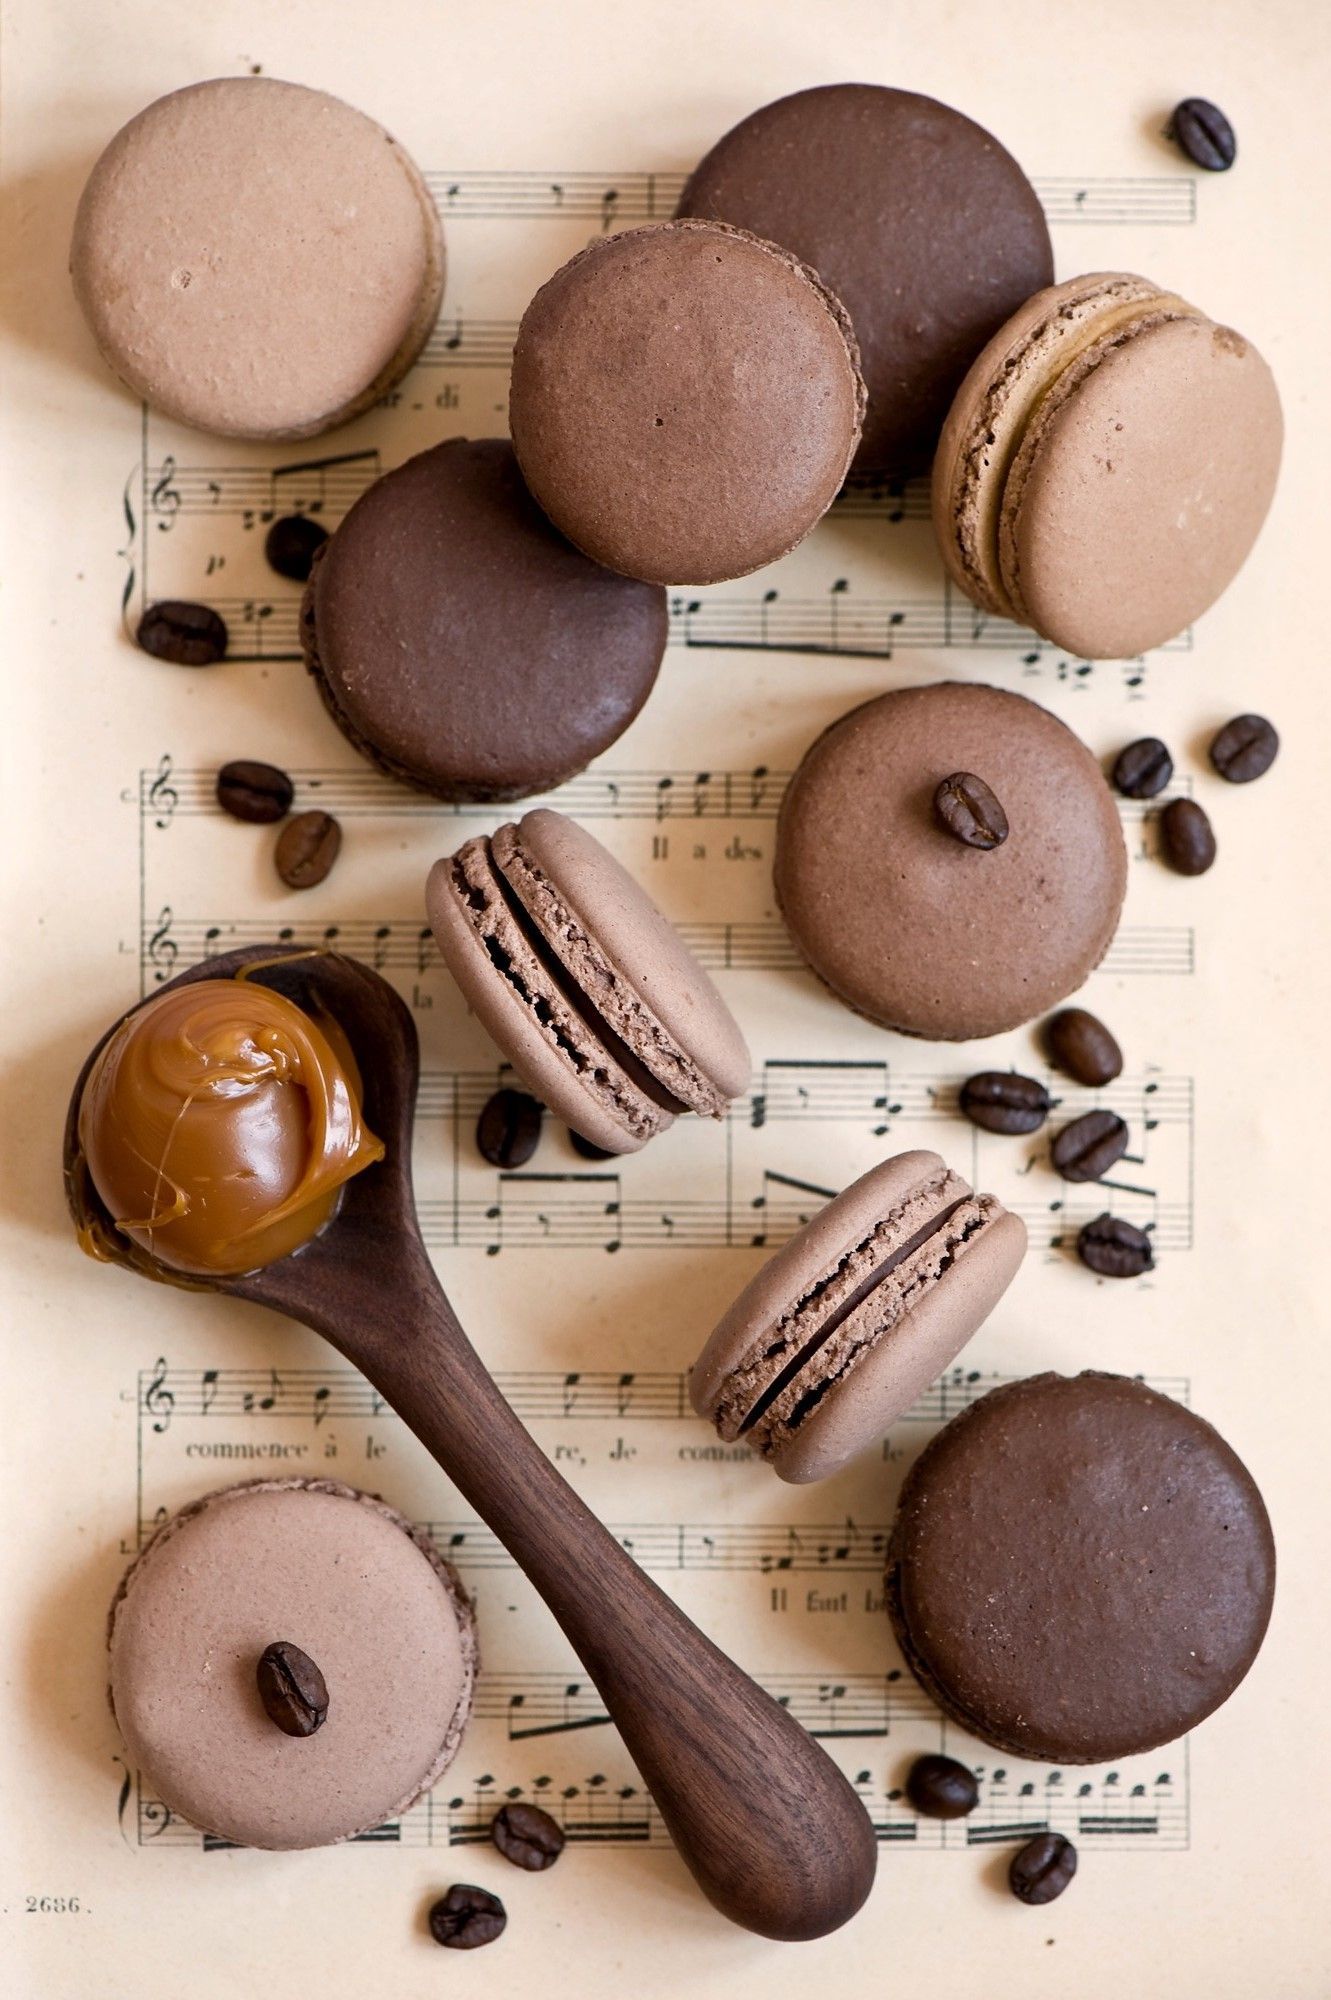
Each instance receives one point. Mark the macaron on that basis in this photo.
(586, 987)
(367, 1599)
(462, 644)
(257, 259)
(685, 401)
(851, 1320)
(923, 225)
(1080, 1570)
(912, 926)
(1106, 465)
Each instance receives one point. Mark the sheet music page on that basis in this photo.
(590, 1288)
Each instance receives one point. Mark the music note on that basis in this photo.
(609, 203)
(207, 1391)
(158, 1400)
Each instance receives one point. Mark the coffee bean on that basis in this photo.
(527, 1837)
(1113, 1248)
(1187, 837)
(587, 1150)
(998, 1100)
(467, 1917)
(290, 545)
(291, 1688)
(259, 793)
(941, 1788)
(307, 847)
(970, 812)
(188, 635)
(1086, 1149)
(1245, 749)
(1204, 133)
(1082, 1047)
(1042, 1869)
(508, 1129)
(1143, 769)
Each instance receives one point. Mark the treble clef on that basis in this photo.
(162, 949)
(166, 495)
(161, 797)
(158, 1400)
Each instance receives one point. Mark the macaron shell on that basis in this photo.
(553, 1050)
(685, 401)
(736, 1341)
(1140, 488)
(339, 1575)
(912, 928)
(987, 421)
(1081, 1569)
(888, 1374)
(257, 259)
(920, 221)
(641, 948)
(462, 644)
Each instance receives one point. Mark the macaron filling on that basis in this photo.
(604, 996)
(567, 1021)
(851, 1307)
(1079, 331)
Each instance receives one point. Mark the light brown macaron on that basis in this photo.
(850, 1321)
(359, 1590)
(907, 924)
(1106, 465)
(686, 400)
(587, 988)
(257, 259)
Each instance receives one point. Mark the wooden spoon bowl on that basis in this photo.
(769, 1825)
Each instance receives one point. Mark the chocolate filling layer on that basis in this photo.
(571, 993)
(855, 1298)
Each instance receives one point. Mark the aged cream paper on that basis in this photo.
(589, 1290)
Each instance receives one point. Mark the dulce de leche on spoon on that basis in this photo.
(247, 1130)
(219, 1124)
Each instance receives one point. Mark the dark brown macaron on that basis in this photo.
(1081, 1569)
(685, 401)
(923, 225)
(912, 927)
(462, 644)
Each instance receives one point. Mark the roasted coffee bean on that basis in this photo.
(941, 1788)
(509, 1128)
(998, 1100)
(1143, 769)
(1086, 1149)
(290, 545)
(1113, 1248)
(1082, 1047)
(1187, 838)
(291, 1688)
(587, 1150)
(527, 1837)
(188, 635)
(1245, 749)
(1042, 1869)
(259, 793)
(1203, 132)
(307, 847)
(467, 1917)
(970, 812)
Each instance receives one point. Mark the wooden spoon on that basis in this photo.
(770, 1827)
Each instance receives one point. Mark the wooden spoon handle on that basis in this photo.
(770, 1827)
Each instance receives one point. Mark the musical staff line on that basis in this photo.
(606, 793)
(613, 199)
(166, 1396)
(170, 940)
(837, 623)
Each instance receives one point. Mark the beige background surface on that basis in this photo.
(1216, 989)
